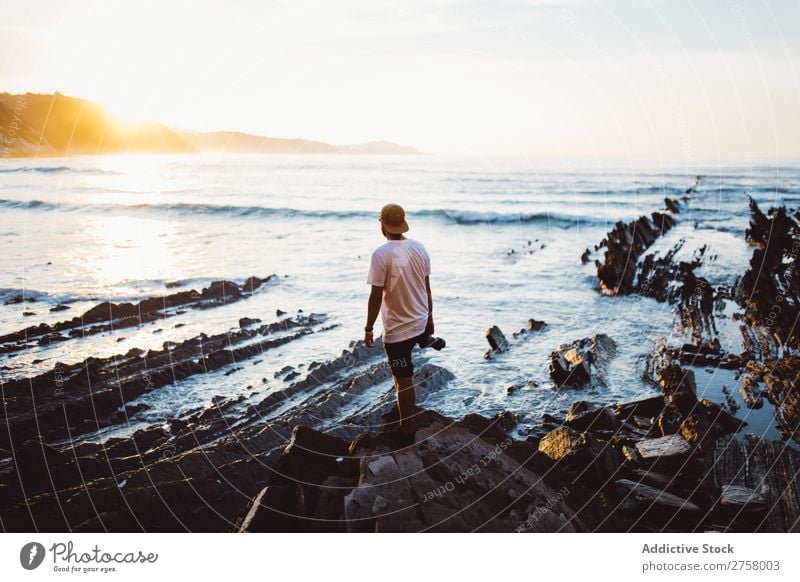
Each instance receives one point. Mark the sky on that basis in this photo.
(580, 78)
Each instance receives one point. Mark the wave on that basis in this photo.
(15, 295)
(54, 170)
(468, 217)
(34, 204)
(457, 216)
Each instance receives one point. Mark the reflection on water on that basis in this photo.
(126, 248)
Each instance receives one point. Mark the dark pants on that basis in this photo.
(399, 355)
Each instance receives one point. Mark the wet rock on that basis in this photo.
(64, 400)
(496, 339)
(672, 205)
(248, 321)
(780, 376)
(679, 387)
(624, 245)
(108, 316)
(582, 361)
(533, 325)
(773, 274)
(751, 393)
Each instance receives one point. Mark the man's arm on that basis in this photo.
(373, 308)
(429, 328)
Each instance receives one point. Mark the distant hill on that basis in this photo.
(237, 142)
(57, 125)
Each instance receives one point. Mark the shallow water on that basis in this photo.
(505, 239)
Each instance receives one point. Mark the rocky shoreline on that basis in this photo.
(313, 456)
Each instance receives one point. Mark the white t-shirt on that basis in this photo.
(400, 267)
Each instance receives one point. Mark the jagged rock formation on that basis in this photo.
(108, 316)
(583, 361)
(626, 243)
(195, 473)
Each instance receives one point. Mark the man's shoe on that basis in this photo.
(437, 343)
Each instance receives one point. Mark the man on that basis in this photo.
(399, 273)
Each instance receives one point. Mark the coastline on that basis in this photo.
(670, 462)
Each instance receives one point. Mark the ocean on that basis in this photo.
(505, 238)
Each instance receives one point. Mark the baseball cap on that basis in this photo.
(393, 218)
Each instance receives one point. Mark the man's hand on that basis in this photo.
(369, 340)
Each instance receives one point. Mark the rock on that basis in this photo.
(492, 430)
(59, 307)
(252, 283)
(564, 373)
(724, 421)
(768, 468)
(772, 274)
(656, 500)
(698, 431)
(248, 321)
(671, 205)
(741, 498)
(669, 421)
(451, 480)
(647, 406)
(624, 245)
(309, 457)
(781, 376)
(578, 456)
(108, 316)
(535, 325)
(427, 487)
(576, 364)
(584, 416)
(496, 339)
(631, 455)
(679, 387)
(664, 450)
(751, 393)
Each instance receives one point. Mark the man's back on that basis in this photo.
(400, 267)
